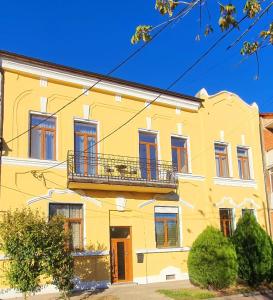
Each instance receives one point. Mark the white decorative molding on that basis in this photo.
(147, 104)
(248, 201)
(86, 111)
(222, 136)
(149, 123)
(91, 253)
(162, 250)
(43, 104)
(51, 192)
(120, 89)
(143, 204)
(235, 182)
(230, 202)
(226, 201)
(178, 111)
(32, 162)
(203, 94)
(179, 128)
(85, 90)
(184, 202)
(118, 98)
(190, 176)
(120, 203)
(166, 209)
(43, 82)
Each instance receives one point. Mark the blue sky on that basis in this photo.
(95, 36)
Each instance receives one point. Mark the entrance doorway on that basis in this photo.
(121, 254)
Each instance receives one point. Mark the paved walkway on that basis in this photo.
(140, 292)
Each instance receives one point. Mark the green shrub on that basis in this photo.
(212, 260)
(254, 251)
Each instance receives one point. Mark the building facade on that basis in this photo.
(134, 200)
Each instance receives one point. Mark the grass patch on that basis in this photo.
(188, 294)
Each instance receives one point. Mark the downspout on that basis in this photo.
(265, 172)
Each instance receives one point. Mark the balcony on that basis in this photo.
(119, 173)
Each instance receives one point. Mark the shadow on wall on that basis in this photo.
(94, 268)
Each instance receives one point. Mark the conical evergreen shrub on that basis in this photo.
(212, 261)
(254, 251)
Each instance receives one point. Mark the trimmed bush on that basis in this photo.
(212, 261)
(254, 251)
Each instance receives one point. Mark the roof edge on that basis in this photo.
(51, 65)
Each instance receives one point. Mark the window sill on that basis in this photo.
(163, 250)
(190, 176)
(235, 182)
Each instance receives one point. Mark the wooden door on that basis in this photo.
(121, 260)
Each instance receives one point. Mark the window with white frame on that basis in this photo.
(73, 214)
(243, 162)
(226, 221)
(166, 227)
(221, 159)
(180, 154)
(248, 210)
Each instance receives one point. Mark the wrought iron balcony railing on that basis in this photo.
(115, 169)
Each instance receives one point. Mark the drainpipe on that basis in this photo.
(265, 172)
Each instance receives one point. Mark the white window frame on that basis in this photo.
(84, 239)
(156, 133)
(233, 212)
(187, 138)
(170, 209)
(229, 157)
(44, 114)
(250, 161)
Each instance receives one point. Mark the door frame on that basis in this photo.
(129, 268)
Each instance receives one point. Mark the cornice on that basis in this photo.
(104, 85)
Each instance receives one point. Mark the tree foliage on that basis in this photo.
(35, 247)
(227, 19)
(254, 250)
(212, 260)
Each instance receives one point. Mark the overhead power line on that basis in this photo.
(180, 77)
(183, 12)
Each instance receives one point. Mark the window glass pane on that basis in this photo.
(224, 166)
(184, 161)
(172, 233)
(87, 128)
(240, 168)
(153, 162)
(36, 141)
(75, 229)
(159, 230)
(220, 148)
(179, 142)
(143, 160)
(175, 159)
(49, 145)
(59, 209)
(218, 172)
(242, 152)
(75, 211)
(42, 121)
(226, 221)
(249, 210)
(147, 137)
(246, 169)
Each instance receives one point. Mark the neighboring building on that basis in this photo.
(136, 200)
(267, 141)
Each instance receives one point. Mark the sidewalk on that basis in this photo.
(140, 292)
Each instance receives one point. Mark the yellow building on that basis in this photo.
(135, 200)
